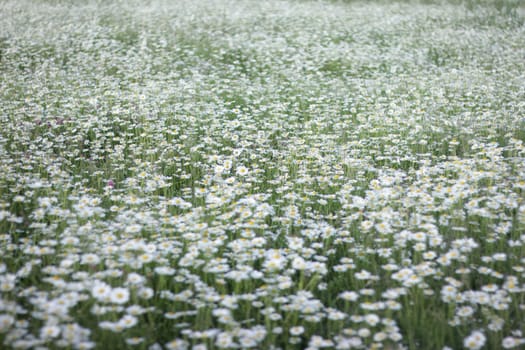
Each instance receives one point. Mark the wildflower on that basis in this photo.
(177, 344)
(164, 270)
(299, 263)
(145, 293)
(349, 296)
(119, 295)
(242, 171)
(511, 342)
(380, 337)
(367, 225)
(465, 311)
(372, 319)
(7, 282)
(84, 345)
(224, 340)
(50, 331)
(496, 324)
(364, 275)
(364, 332)
(90, 259)
(133, 229)
(128, 321)
(134, 340)
(296, 331)
(101, 291)
(135, 279)
(475, 340)
(274, 261)
(6, 321)
(317, 342)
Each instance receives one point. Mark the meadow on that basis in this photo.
(279, 174)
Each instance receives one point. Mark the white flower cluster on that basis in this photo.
(274, 174)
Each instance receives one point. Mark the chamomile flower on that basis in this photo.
(476, 340)
(119, 295)
(49, 332)
(101, 291)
